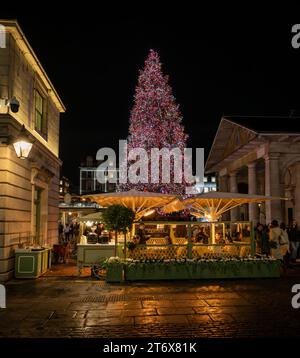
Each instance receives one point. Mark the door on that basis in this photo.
(37, 214)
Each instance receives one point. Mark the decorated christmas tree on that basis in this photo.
(155, 122)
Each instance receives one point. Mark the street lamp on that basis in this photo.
(22, 144)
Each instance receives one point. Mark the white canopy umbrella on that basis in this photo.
(139, 202)
(213, 204)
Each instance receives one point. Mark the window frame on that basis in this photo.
(43, 119)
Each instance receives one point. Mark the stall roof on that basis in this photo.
(215, 203)
(139, 201)
(91, 217)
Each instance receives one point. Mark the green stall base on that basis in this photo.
(114, 273)
(187, 271)
(31, 264)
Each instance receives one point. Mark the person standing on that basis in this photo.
(294, 237)
(284, 243)
(261, 239)
(141, 232)
(67, 232)
(274, 237)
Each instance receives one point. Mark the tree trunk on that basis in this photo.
(125, 244)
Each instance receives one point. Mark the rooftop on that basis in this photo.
(268, 124)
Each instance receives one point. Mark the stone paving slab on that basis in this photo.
(70, 307)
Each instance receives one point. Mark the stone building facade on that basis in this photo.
(249, 157)
(29, 187)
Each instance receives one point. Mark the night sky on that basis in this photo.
(218, 64)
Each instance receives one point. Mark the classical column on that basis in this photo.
(223, 187)
(252, 189)
(297, 195)
(233, 189)
(223, 183)
(272, 187)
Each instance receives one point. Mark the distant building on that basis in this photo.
(209, 184)
(64, 186)
(28, 187)
(88, 182)
(248, 156)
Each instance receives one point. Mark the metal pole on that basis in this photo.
(252, 239)
(189, 241)
(213, 235)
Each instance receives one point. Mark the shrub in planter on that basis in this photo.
(200, 269)
(114, 269)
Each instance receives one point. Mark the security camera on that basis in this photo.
(14, 104)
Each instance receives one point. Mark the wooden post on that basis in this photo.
(116, 242)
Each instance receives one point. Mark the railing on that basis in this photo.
(168, 252)
(174, 247)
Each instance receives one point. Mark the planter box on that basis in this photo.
(201, 270)
(31, 264)
(114, 273)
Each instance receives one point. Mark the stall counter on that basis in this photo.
(90, 254)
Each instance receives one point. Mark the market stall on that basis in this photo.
(211, 242)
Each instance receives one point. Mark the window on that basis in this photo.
(213, 179)
(205, 179)
(40, 118)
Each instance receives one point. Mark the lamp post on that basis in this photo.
(22, 144)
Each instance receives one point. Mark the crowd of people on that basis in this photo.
(280, 241)
(68, 232)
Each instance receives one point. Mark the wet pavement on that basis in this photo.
(86, 307)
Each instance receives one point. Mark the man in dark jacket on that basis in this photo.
(294, 237)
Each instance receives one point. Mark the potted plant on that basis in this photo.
(114, 269)
(118, 218)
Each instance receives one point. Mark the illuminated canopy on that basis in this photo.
(138, 201)
(91, 217)
(213, 204)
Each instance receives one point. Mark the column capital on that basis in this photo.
(233, 173)
(272, 156)
(223, 172)
(252, 165)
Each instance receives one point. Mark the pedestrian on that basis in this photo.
(274, 239)
(261, 240)
(60, 232)
(67, 232)
(284, 243)
(294, 237)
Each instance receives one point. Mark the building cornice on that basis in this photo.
(13, 27)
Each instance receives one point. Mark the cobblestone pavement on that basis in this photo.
(72, 307)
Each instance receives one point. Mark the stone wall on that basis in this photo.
(19, 178)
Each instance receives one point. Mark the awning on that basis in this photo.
(139, 202)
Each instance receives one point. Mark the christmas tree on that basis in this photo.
(155, 122)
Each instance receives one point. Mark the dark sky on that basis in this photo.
(229, 64)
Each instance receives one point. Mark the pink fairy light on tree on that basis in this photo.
(156, 122)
